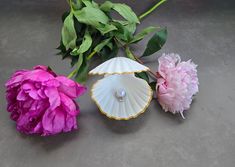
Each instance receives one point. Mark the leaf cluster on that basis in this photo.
(90, 29)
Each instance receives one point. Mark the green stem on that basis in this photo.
(151, 9)
(72, 73)
(141, 62)
(75, 70)
(91, 55)
(70, 4)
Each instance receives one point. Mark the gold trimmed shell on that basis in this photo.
(137, 99)
(119, 65)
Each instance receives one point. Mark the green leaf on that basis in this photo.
(61, 47)
(131, 27)
(124, 10)
(68, 32)
(90, 15)
(74, 60)
(80, 28)
(105, 28)
(80, 61)
(143, 75)
(96, 5)
(86, 44)
(76, 4)
(82, 73)
(77, 61)
(153, 85)
(122, 32)
(142, 34)
(156, 42)
(94, 17)
(63, 52)
(89, 3)
(102, 44)
(106, 6)
(110, 45)
(107, 53)
(65, 14)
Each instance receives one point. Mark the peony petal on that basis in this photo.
(31, 90)
(58, 122)
(69, 104)
(52, 83)
(70, 123)
(53, 121)
(70, 88)
(38, 128)
(41, 104)
(177, 83)
(47, 121)
(38, 75)
(16, 79)
(34, 94)
(167, 62)
(28, 103)
(28, 86)
(80, 89)
(41, 93)
(45, 68)
(22, 96)
(54, 98)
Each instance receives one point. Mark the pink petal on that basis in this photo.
(47, 120)
(38, 128)
(58, 122)
(70, 88)
(22, 96)
(41, 93)
(70, 123)
(16, 79)
(28, 86)
(52, 83)
(38, 75)
(44, 68)
(177, 83)
(69, 104)
(54, 98)
(53, 121)
(30, 89)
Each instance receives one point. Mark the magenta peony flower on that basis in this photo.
(41, 102)
(177, 83)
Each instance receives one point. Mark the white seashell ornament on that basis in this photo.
(119, 65)
(120, 95)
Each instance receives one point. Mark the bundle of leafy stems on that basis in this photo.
(89, 29)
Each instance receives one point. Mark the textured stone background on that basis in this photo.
(199, 29)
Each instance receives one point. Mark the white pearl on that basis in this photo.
(120, 94)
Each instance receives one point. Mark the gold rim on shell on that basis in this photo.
(112, 73)
(122, 119)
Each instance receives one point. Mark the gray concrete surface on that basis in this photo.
(199, 29)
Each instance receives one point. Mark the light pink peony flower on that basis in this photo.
(41, 102)
(177, 83)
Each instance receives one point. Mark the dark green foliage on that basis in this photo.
(89, 30)
(153, 85)
(143, 75)
(156, 42)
